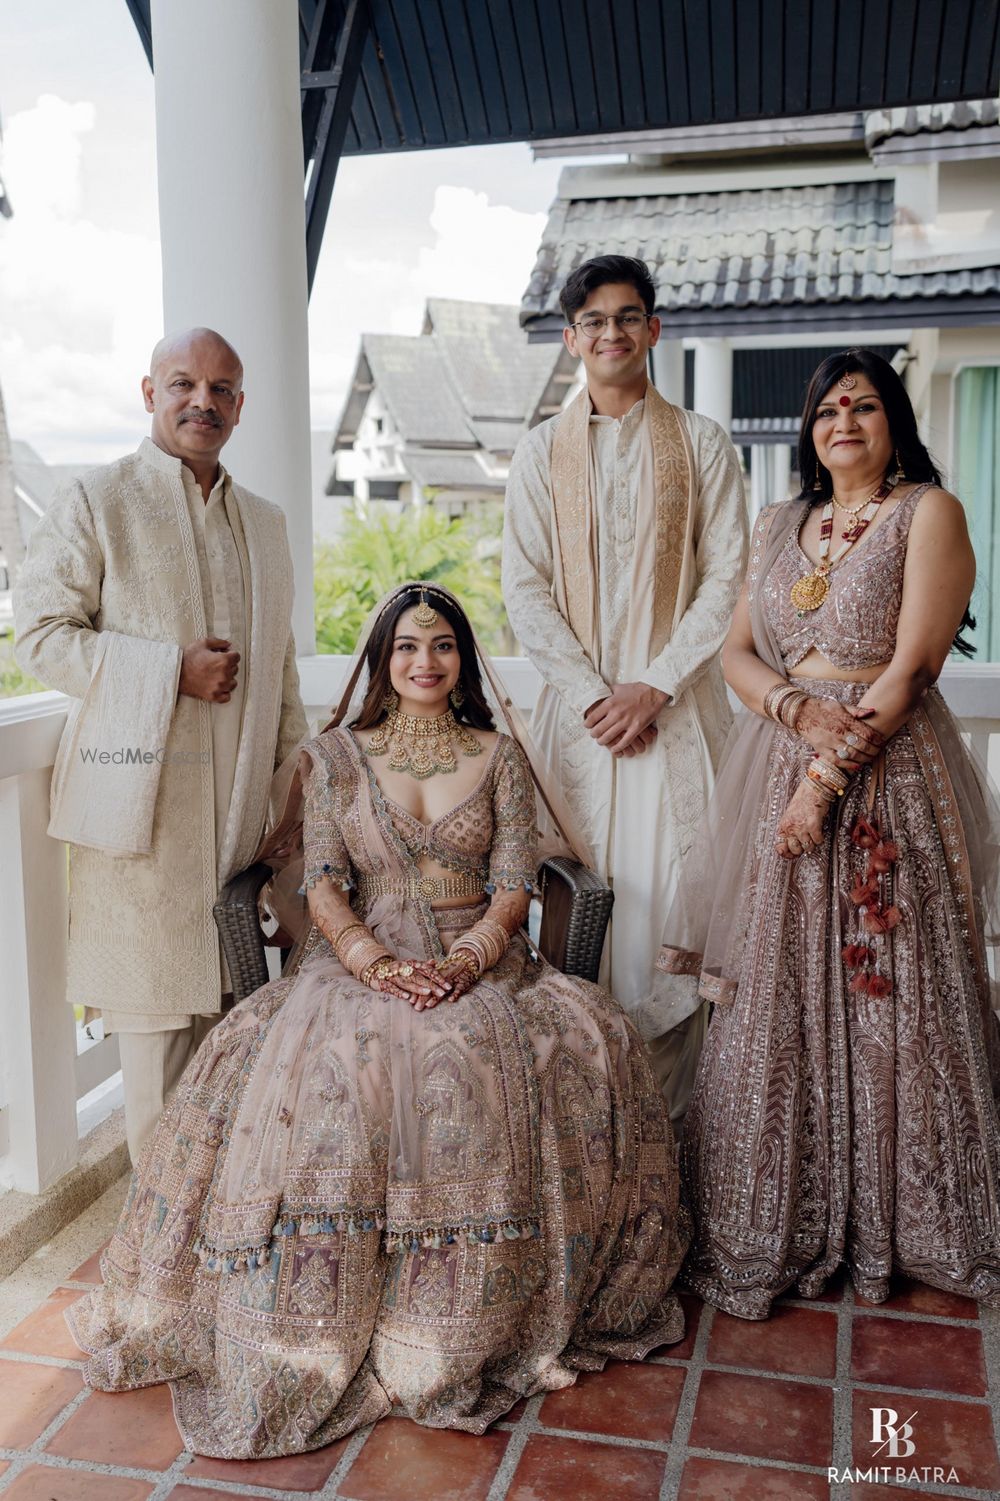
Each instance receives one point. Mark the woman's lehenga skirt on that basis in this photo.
(477, 1202)
(829, 1126)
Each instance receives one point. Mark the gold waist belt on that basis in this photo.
(427, 888)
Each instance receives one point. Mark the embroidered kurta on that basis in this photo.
(639, 814)
(126, 550)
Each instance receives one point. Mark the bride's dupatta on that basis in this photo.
(710, 914)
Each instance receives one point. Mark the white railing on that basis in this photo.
(45, 1072)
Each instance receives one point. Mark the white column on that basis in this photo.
(36, 1024)
(232, 227)
(713, 380)
(782, 471)
(668, 369)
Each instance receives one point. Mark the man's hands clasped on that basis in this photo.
(625, 721)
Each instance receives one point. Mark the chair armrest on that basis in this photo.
(240, 933)
(576, 906)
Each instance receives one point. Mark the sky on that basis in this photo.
(80, 294)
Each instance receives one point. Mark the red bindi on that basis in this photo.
(845, 401)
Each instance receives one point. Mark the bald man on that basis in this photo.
(157, 593)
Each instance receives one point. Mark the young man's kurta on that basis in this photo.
(624, 550)
(130, 565)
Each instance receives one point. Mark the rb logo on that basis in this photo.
(889, 1434)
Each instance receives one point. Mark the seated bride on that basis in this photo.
(425, 1170)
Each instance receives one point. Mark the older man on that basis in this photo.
(157, 593)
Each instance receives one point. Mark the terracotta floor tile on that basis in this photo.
(45, 1483)
(90, 1271)
(891, 1493)
(935, 1357)
(718, 1480)
(205, 1493)
(298, 1472)
(766, 1418)
(628, 1400)
(908, 1296)
(122, 1428)
(438, 1464)
(44, 1332)
(945, 1433)
(555, 1469)
(30, 1397)
(516, 1413)
(793, 1341)
(693, 1309)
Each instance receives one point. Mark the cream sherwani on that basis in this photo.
(653, 532)
(128, 567)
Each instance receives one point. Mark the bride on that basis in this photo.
(427, 1170)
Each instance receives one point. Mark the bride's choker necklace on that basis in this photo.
(420, 746)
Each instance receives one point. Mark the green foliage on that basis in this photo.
(14, 682)
(373, 555)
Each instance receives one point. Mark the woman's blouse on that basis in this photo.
(492, 832)
(855, 626)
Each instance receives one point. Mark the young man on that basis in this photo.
(158, 593)
(624, 549)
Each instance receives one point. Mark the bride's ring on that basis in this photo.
(843, 752)
(853, 739)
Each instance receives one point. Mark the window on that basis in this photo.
(977, 482)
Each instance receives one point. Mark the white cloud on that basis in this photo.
(79, 303)
(480, 250)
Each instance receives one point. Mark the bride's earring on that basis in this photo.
(457, 696)
(390, 701)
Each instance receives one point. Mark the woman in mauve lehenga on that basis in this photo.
(428, 1171)
(836, 912)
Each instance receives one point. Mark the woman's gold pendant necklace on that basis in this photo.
(809, 592)
(419, 747)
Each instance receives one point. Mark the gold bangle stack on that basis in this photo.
(361, 952)
(829, 780)
(486, 941)
(337, 940)
(783, 703)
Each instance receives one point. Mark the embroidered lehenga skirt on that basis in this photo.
(829, 1124)
(468, 1205)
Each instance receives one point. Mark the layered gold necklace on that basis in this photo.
(419, 746)
(809, 591)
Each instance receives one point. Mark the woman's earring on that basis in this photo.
(899, 467)
(457, 696)
(390, 701)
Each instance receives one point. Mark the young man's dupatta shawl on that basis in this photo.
(670, 528)
(282, 843)
(707, 923)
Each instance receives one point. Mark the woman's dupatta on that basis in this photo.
(709, 916)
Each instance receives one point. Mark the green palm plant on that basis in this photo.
(372, 556)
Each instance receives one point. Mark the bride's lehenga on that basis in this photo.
(830, 1125)
(349, 1204)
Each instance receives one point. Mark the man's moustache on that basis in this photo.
(202, 417)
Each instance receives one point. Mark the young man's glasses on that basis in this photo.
(594, 324)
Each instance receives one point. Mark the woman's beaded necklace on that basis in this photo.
(420, 746)
(809, 592)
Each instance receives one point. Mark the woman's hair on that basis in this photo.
(473, 710)
(914, 461)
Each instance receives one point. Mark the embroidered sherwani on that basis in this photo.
(127, 568)
(624, 549)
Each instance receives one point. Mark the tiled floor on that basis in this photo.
(738, 1412)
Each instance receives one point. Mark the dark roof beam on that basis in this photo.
(334, 117)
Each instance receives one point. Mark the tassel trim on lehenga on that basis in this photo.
(362, 1222)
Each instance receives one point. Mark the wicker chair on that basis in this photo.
(576, 906)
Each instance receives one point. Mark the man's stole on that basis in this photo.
(575, 549)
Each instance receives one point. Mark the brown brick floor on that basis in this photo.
(737, 1412)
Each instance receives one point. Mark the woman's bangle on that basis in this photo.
(826, 793)
(783, 703)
